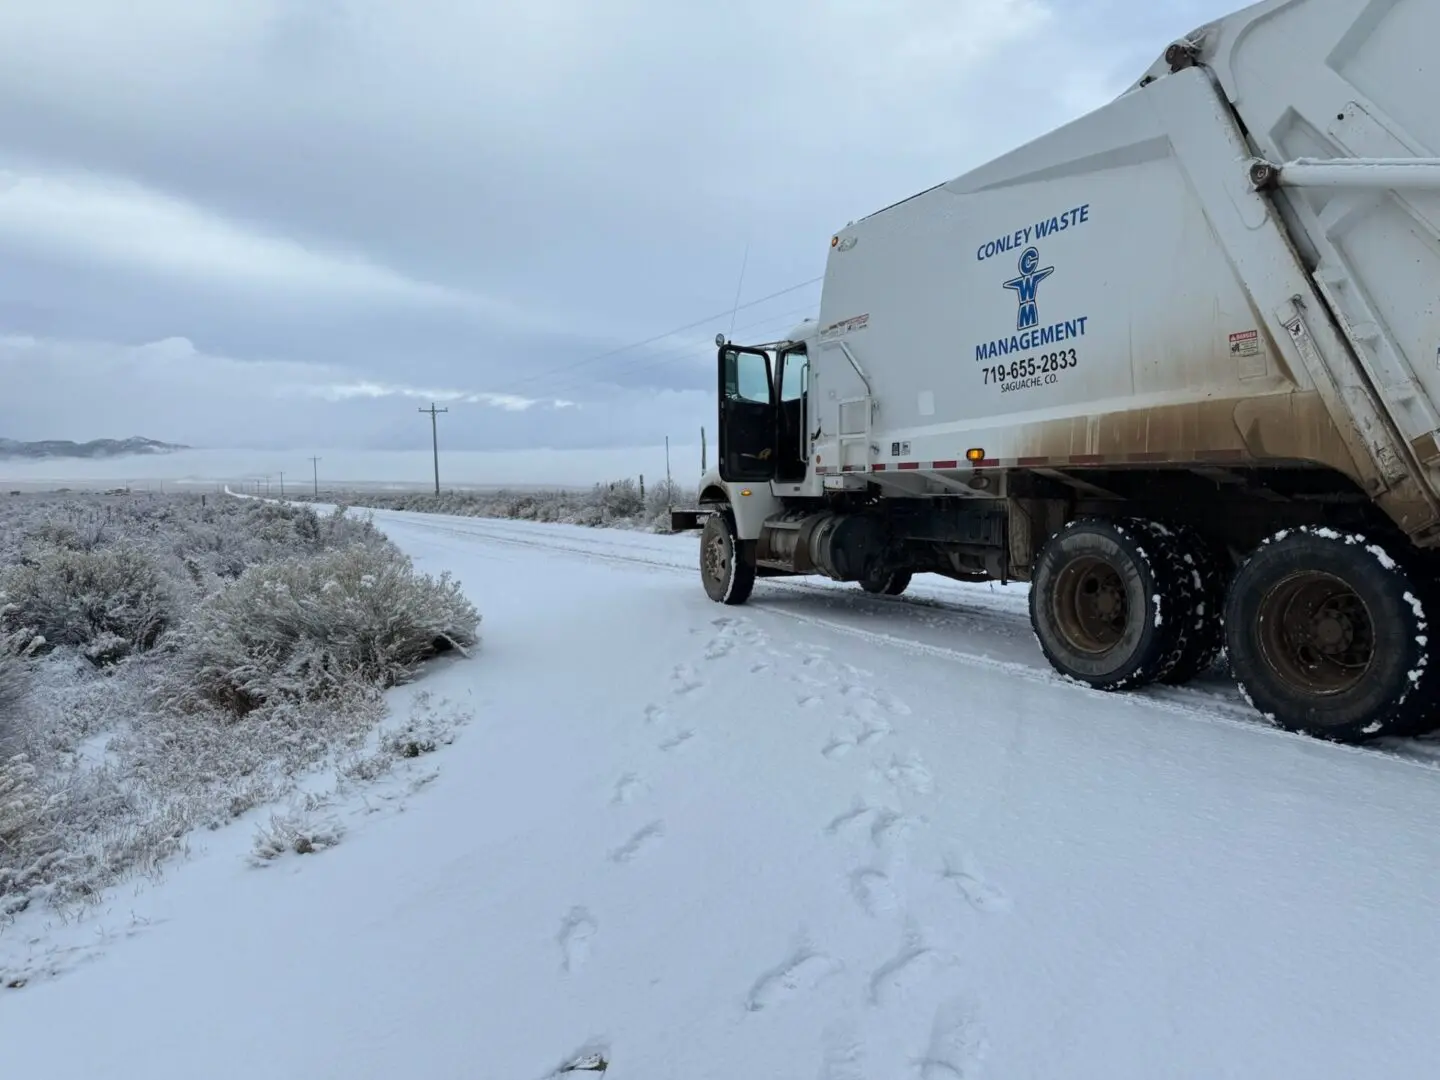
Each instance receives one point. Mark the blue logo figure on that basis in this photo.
(1026, 285)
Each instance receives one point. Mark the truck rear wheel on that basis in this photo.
(891, 584)
(1205, 629)
(1327, 636)
(725, 568)
(1103, 605)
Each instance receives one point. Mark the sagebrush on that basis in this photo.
(168, 662)
(301, 629)
(620, 504)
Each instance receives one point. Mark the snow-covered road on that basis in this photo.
(822, 835)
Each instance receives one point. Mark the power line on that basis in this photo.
(658, 337)
(738, 286)
(651, 361)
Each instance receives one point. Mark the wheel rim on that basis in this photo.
(717, 559)
(1316, 633)
(1092, 605)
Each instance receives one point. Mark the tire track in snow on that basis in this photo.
(1192, 704)
(958, 611)
(1213, 711)
(1003, 611)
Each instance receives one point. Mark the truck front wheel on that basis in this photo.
(1328, 636)
(726, 569)
(1102, 605)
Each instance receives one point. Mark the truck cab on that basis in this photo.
(768, 428)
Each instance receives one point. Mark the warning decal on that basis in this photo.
(1245, 343)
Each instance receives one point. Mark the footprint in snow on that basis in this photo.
(910, 775)
(906, 966)
(875, 699)
(685, 679)
(957, 1044)
(885, 824)
(970, 881)
(873, 732)
(890, 825)
(719, 648)
(642, 839)
(576, 931)
(802, 971)
(626, 789)
(679, 739)
(841, 1053)
(873, 891)
(867, 734)
(858, 811)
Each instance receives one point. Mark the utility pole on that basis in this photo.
(435, 441)
(315, 474)
(702, 452)
(282, 483)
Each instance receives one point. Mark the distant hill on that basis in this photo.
(95, 448)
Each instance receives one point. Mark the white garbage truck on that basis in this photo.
(1175, 364)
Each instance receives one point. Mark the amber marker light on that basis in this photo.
(974, 455)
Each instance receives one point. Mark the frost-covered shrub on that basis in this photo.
(613, 505)
(304, 629)
(24, 837)
(14, 685)
(74, 597)
(621, 499)
(109, 756)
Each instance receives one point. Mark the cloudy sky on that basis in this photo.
(286, 223)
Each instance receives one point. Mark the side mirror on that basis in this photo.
(719, 341)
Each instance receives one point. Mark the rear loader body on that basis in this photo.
(1176, 360)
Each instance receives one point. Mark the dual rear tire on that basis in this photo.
(1326, 634)
(1108, 603)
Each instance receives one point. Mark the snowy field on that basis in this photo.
(397, 470)
(823, 835)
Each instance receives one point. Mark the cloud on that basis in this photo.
(69, 214)
(285, 222)
(173, 391)
(348, 390)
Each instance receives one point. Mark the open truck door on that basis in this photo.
(747, 415)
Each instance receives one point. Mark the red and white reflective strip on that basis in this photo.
(1052, 462)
